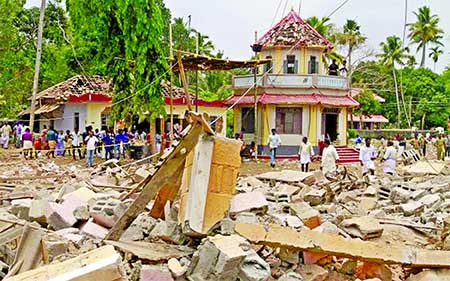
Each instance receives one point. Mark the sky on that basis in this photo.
(231, 24)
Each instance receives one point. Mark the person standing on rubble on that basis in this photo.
(76, 143)
(305, 153)
(329, 158)
(274, 142)
(51, 142)
(5, 133)
(389, 160)
(367, 156)
(91, 142)
(423, 145)
(440, 146)
(18, 131)
(27, 139)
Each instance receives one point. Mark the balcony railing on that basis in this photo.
(292, 81)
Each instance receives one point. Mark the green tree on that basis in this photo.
(368, 105)
(123, 39)
(393, 52)
(322, 25)
(18, 27)
(351, 37)
(425, 30)
(435, 53)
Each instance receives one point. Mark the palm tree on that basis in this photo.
(425, 30)
(352, 37)
(323, 25)
(436, 52)
(393, 52)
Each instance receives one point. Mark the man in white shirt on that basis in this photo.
(329, 158)
(91, 141)
(76, 143)
(5, 133)
(390, 159)
(274, 142)
(367, 155)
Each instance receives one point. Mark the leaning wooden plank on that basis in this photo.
(152, 251)
(285, 237)
(102, 264)
(10, 235)
(164, 175)
(167, 192)
(29, 254)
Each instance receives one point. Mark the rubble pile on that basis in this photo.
(282, 225)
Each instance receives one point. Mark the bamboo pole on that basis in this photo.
(37, 64)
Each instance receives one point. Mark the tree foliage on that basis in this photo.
(18, 31)
(425, 30)
(125, 45)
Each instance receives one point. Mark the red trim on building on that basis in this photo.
(294, 99)
(238, 99)
(96, 97)
(201, 102)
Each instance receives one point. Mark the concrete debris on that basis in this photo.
(363, 227)
(431, 275)
(190, 216)
(245, 202)
(313, 272)
(151, 251)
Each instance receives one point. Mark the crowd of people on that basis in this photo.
(89, 144)
(386, 151)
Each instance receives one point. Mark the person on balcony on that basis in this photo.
(344, 70)
(333, 68)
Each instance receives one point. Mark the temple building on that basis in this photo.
(295, 93)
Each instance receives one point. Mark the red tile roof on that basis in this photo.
(77, 86)
(293, 30)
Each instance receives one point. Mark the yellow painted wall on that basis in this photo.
(303, 61)
(93, 113)
(321, 63)
(278, 61)
(312, 136)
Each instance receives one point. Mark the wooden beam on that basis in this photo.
(166, 193)
(103, 263)
(184, 81)
(152, 184)
(29, 252)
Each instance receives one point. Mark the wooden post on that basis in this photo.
(255, 100)
(37, 64)
(170, 90)
(184, 81)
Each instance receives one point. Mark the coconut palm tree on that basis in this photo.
(425, 30)
(351, 37)
(436, 52)
(322, 25)
(393, 52)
